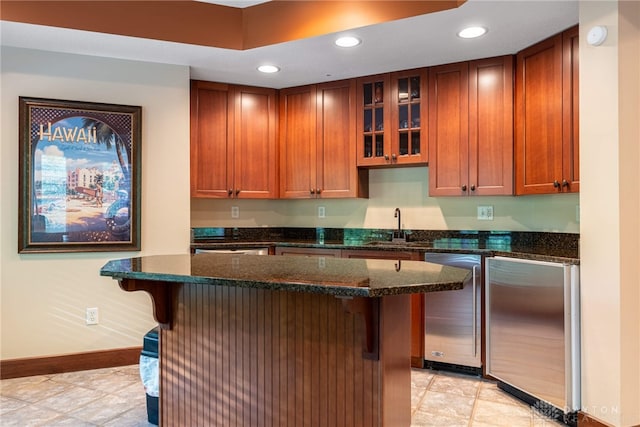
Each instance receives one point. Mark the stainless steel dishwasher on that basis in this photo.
(453, 338)
(533, 333)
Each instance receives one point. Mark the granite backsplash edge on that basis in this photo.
(561, 244)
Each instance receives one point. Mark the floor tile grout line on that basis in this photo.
(475, 402)
(426, 390)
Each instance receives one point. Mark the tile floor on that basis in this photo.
(442, 399)
(115, 397)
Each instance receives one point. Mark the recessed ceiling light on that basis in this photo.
(472, 32)
(348, 41)
(268, 69)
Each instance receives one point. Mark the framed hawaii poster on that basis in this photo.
(79, 176)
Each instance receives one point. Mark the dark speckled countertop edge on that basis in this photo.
(122, 269)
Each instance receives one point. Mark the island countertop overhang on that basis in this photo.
(333, 276)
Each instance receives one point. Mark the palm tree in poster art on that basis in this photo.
(118, 225)
(106, 135)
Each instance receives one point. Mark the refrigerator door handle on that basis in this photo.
(474, 310)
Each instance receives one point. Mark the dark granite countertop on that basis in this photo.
(540, 246)
(334, 276)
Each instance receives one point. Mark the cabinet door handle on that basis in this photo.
(318, 191)
(386, 157)
(230, 191)
(393, 157)
(464, 187)
(237, 191)
(556, 184)
(312, 191)
(473, 187)
(565, 183)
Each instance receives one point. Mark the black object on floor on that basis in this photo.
(150, 349)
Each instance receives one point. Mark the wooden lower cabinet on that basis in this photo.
(417, 300)
(325, 252)
(254, 357)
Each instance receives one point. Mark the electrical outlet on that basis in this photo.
(91, 316)
(235, 212)
(321, 212)
(485, 213)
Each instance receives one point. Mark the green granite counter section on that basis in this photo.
(333, 276)
(540, 246)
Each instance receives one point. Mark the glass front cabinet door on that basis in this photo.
(374, 139)
(392, 117)
(409, 117)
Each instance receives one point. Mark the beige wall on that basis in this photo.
(44, 296)
(407, 189)
(610, 200)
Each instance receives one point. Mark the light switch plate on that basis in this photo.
(235, 212)
(485, 213)
(321, 212)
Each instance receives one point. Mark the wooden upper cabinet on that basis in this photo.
(211, 150)
(546, 117)
(392, 119)
(336, 173)
(233, 141)
(373, 121)
(471, 128)
(256, 144)
(449, 129)
(491, 126)
(317, 142)
(570, 111)
(409, 117)
(297, 142)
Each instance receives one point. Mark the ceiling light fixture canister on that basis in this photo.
(268, 69)
(472, 32)
(347, 41)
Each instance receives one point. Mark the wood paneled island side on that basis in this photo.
(274, 341)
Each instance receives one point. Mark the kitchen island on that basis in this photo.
(273, 341)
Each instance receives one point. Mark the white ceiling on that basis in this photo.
(399, 45)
